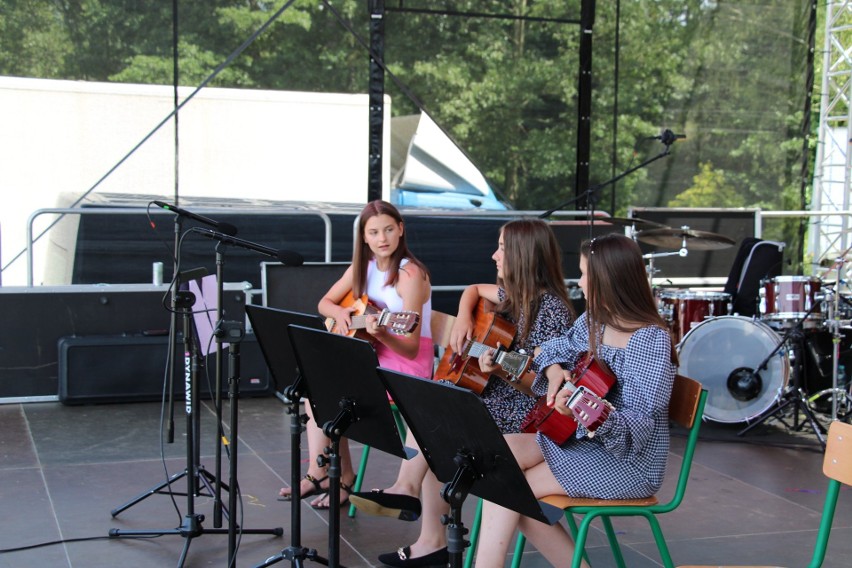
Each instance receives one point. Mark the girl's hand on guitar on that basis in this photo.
(373, 327)
(343, 319)
(486, 360)
(560, 403)
(461, 333)
(556, 377)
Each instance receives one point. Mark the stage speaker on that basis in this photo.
(819, 360)
(132, 368)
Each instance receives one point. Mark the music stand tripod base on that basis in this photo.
(348, 399)
(465, 450)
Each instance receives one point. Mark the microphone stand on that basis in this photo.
(222, 327)
(170, 426)
(590, 193)
(745, 380)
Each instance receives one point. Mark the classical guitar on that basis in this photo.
(589, 378)
(398, 323)
(489, 330)
(588, 409)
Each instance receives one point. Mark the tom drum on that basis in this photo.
(715, 351)
(685, 309)
(787, 299)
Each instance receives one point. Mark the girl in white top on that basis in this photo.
(391, 277)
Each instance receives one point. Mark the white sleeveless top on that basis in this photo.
(387, 296)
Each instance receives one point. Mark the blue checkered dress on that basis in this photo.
(627, 457)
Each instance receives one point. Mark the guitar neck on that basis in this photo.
(477, 349)
(360, 321)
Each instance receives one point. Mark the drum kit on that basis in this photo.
(758, 367)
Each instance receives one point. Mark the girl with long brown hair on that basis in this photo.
(626, 457)
(530, 292)
(385, 270)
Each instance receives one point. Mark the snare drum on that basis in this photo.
(685, 309)
(785, 300)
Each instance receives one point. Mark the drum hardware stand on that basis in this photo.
(836, 392)
(667, 137)
(652, 255)
(745, 382)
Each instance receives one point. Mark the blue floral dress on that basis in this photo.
(506, 404)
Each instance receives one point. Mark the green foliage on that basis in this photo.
(710, 188)
(728, 74)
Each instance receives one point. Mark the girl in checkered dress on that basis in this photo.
(626, 458)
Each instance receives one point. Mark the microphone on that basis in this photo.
(222, 227)
(288, 258)
(667, 137)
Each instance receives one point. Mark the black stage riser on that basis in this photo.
(35, 319)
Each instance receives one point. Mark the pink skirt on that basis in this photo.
(420, 366)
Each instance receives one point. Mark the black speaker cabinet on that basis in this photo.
(131, 368)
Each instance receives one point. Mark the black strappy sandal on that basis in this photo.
(315, 490)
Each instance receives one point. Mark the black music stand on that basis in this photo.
(349, 400)
(465, 450)
(270, 326)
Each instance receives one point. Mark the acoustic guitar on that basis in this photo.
(591, 382)
(490, 329)
(398, 323)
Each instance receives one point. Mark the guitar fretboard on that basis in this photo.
(477, 349)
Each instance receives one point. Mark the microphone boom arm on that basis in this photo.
(291, 258)
(589, 192)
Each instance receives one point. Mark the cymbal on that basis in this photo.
(631, 222)
(677, 238)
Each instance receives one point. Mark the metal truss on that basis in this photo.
(828, 236)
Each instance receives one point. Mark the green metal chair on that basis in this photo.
(686, 408)
(837, 466)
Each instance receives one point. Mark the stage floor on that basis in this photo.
(754, 499)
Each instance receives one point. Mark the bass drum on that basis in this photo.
(715, 351)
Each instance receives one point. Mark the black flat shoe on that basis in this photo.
(402, 558)
(377, 502)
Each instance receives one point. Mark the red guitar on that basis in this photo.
(589, 409)
(592, 382)
(398, 323)
(489, 330)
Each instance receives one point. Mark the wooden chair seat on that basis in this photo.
(563, 502)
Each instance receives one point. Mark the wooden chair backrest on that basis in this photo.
(683, 404)
(837, 463)
(441, 326)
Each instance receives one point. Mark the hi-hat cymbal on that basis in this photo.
(690, 238)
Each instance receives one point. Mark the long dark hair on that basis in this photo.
(618, 293)
(362, 254)
(532, 264)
